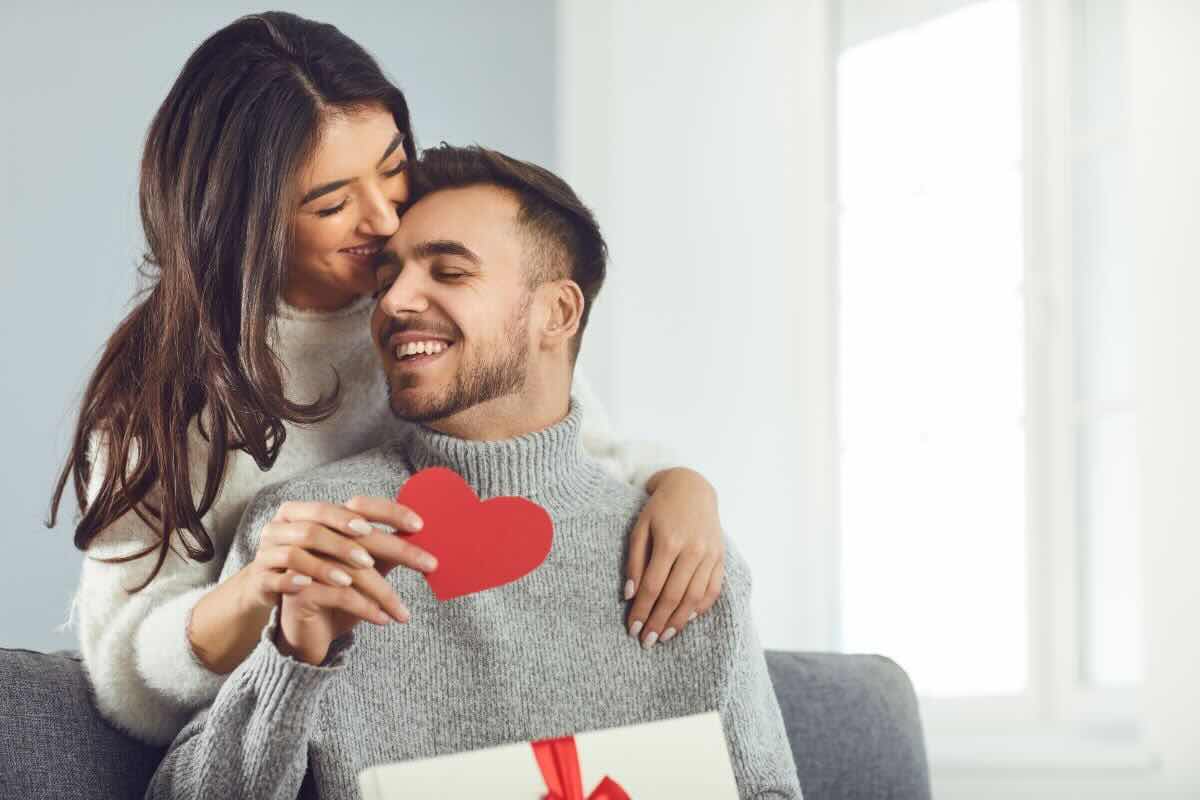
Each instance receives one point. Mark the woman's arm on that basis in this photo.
(146, 678)
(676, 551)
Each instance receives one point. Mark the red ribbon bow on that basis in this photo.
(559, 762)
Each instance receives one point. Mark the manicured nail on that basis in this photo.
(403, 615)
(363, 557)
(339, 577)
(301, 580)
(629, 589)
(635, 628)
(361, 527)
(413, 522)
(427, 563)
(668, 634)
(691, 616)
(649, 641)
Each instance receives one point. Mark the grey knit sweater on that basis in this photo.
(545, 656)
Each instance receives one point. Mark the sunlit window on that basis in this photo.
(932, 351)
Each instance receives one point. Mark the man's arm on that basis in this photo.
(253, 741)
(754, 730)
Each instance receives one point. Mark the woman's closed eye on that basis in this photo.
(328, 212)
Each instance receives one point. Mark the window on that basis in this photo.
(987, 489)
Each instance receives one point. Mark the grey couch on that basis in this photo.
(852, 722)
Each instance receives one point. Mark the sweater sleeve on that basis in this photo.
(632, 462)
(252, 742)
(146, 679)
(758, 744)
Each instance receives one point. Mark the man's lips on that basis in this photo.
(417, 347)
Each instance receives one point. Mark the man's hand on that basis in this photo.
(309, 620)
(314, 614)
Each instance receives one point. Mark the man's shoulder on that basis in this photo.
(609, 495)
(375, 472)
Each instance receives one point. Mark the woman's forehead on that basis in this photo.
(351, 144)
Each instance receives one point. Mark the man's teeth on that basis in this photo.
(415, 348)
(363, 251)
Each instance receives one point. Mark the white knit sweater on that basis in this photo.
(145, 677)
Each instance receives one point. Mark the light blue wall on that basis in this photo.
(77, 90)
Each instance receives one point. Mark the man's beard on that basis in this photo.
(473, 383)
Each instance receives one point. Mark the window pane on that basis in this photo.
(931, 338)
(1104, 339)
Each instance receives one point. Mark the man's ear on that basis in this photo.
(563, 303)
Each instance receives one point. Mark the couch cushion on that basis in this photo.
(854, 726)
(852, 721)
(53, 743)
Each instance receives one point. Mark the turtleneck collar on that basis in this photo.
(545, 463)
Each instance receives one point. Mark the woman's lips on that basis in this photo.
(364, 254)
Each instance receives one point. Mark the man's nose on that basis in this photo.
(406, 295)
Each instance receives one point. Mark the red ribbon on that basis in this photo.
(559, 762)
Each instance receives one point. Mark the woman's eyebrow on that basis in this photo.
(324, 188)
(332, 186)
(391, 148)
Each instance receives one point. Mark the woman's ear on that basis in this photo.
(564, 306)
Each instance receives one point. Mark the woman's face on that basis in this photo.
(349, 192)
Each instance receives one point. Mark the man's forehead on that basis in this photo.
(481, 217)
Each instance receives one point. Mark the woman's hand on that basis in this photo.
(676, 556)
(341, 582)
(302, 546)
(335, 546)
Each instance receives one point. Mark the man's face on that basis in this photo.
(452, 318)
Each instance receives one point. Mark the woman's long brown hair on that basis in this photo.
(218, 191)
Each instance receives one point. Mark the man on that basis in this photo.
(484, 295)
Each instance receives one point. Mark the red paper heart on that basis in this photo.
(478, 545)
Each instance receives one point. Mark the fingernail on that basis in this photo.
(403, 615)
(635, 628)
(380, 617)
(629, 589)
(413, 522)
(360, 526)
(691, 616)
(649, 641)
(363, 557)
(668, 635)
(339, 577)
(428, 563)
(301, 580)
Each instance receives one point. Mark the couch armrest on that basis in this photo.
(853, 724)
(53, 742)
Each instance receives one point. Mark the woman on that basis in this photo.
(271, 173)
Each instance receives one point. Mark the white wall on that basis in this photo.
(698, 133)
(79, 88)
(1164, 64)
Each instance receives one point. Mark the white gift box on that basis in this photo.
(682, 757)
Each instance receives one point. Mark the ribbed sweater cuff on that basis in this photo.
(287, 688)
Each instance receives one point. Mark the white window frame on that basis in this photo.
(1058, 723)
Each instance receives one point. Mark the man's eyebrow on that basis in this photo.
(444, 247)
(332, 186)
(391, 148)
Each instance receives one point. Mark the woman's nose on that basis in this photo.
(380, 217)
